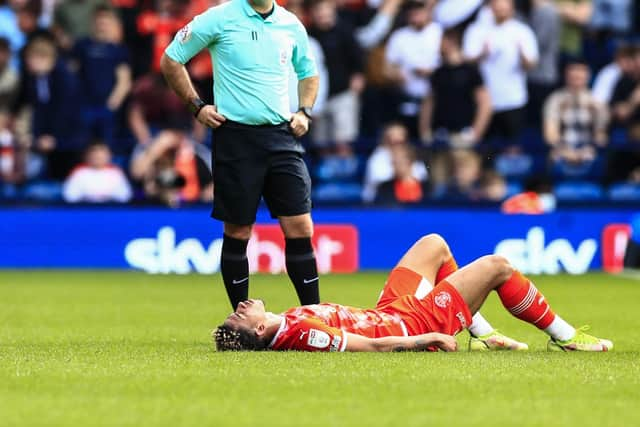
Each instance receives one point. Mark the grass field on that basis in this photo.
(104, 348)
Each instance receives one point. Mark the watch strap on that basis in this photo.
(196, 105)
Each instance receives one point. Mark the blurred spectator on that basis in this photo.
(297, 8)
(466, 172)
(403, 187)
(9, 79)
(172, 171)
(97, 180)
(544, 20)
(611, 16)
(73, 20)
(7, 153)
(412, 54)
(537, 198)
(575, 124)
(493, 187)
(8, 91)
(505, 51)
(380, 164)
(154, 107)
(10, 29)
(575, 15)
(379, 25)
(51, 93)
(606, 80)
(451, 13)
(339, 122)
(625, 101)
(162, 24)
(104, 73)
(458, 109)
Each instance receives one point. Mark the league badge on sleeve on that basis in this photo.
(318, 339)
(184, 35)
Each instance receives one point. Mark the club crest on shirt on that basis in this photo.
(443, 299)
(184, 35)
(283, 57)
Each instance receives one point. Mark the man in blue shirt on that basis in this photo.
(256, 154)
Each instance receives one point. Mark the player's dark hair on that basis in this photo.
(228, 339)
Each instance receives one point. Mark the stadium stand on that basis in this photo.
(73, 74)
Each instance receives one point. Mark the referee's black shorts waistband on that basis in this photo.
(237, 125)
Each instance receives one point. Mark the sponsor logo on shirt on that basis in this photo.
(184, 35)
(318, 339)
(443, 299)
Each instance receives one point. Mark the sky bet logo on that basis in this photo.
(336, 251)
(533, 255)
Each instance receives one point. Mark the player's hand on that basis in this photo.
(299, 124)
(446, 342)
(210, 117)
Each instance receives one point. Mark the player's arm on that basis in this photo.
(414, 343)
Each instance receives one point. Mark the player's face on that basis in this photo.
(248, 315)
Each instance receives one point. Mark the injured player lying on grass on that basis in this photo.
(411, 314)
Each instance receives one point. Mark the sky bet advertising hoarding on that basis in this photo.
(188, 241)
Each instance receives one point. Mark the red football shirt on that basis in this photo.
(322, 327)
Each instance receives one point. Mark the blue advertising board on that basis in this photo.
(182, 241)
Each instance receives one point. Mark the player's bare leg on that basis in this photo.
(300, 258)
(432, 258)
(521, 298)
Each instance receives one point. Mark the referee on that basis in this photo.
(253, 44)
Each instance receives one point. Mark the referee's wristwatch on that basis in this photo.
(306, 111)
(196, 105)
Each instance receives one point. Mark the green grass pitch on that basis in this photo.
(99, 348)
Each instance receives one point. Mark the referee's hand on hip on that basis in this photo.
(299, 124)
(209, 116)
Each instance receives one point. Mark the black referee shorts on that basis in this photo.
(250, 162)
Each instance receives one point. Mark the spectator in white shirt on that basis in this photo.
(97, 180)
(412, 54)
(380, 163)
(451, 13)
(607, 78)
(505, 50)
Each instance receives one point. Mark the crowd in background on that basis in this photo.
(420, 101)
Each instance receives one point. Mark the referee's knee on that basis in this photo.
(240, 232)
(297, 227)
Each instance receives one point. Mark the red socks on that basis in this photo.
(525, 302)
(446, 269)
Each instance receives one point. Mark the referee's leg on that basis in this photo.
(300, 258)
(234, 264)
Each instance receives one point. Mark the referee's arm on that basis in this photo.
(307, 92)
(178, 78)
(201, 32)
(308, 80)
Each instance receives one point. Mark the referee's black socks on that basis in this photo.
(234, 266)
(302, 269)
